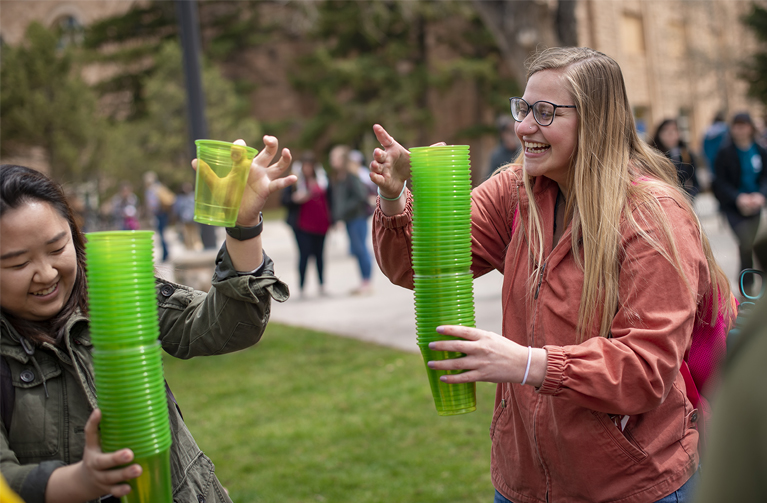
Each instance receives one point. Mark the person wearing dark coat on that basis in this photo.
(741, 186)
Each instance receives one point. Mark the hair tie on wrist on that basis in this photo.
(527, 370)
(390, 199)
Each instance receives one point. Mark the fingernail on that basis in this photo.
(430, 364)
(431, 345)
(443, 378)
(440, 330)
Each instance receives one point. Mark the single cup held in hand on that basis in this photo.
(222, 172)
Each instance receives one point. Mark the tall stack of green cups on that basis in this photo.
(441, 178)
(127, 360)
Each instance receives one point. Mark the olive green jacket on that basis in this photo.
(55, 393)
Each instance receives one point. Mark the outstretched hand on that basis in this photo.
(263, 180)
(390, 167)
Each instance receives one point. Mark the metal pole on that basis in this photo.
(189, 29)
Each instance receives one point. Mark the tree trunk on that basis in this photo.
(520, 27)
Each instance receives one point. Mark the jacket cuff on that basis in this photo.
(555, 369)
(225, 269)
(395, 221)
(33, 487)
(253, 285)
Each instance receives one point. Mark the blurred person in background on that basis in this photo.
(740, 186)
(184, 210)
(668, 140)
(309, 216)
(713, 139)
(358, 159)
(349, 203)
(507, 149)
(159, 202)
(125, 208)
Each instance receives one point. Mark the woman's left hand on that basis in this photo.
(263, 180)
(489, 357)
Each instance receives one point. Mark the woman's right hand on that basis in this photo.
(96, 475)
(390, 167)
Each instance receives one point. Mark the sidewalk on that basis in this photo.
(386, 316)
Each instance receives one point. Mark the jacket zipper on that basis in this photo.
(535, 414)
(540, 280)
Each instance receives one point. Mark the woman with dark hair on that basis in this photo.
(309, 216)
(49, 440)
(668, 141)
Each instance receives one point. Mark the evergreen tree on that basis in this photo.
(46, 104)
(371, 64)
(158, 141)
(755, 69)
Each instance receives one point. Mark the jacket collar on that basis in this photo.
(10, 339)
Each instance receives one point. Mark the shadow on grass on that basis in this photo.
(306, 416)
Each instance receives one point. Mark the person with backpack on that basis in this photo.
(607, 276)
(159, 201)
(49, 438)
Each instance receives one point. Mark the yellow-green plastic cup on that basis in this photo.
(222, 172)
(449, 399)
(153, 485)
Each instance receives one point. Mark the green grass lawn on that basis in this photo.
(306, 416)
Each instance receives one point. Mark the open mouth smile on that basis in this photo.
(47, 291)
(536, 148)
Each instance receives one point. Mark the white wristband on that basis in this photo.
(527, 370)
(390, 199)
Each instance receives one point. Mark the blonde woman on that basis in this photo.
(606, 273)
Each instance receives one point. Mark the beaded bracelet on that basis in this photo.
(390, 199)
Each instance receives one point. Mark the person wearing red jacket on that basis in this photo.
(606, 274)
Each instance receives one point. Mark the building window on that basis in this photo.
(632, 35)
(70, 31)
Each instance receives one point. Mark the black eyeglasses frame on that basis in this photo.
(532, 107)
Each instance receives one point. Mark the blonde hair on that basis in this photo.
(612, 173)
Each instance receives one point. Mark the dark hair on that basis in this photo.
(656, 142)
(19, 185)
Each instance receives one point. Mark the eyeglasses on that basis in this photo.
(543, 111)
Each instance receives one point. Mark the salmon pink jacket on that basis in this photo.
(611, 421)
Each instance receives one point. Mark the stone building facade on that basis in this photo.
(680, 59)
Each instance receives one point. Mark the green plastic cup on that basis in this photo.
(222, 173)
(154, 483)
(449, 399)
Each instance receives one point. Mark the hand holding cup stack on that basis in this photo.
(127, 361)
(441, 252)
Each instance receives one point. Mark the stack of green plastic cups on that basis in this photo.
(441, 178)
(127, 358)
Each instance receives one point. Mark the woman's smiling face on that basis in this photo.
(38, 263)
(549, 150)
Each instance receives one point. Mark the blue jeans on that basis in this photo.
(358, 233)
(162, 223)
(682, 495)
